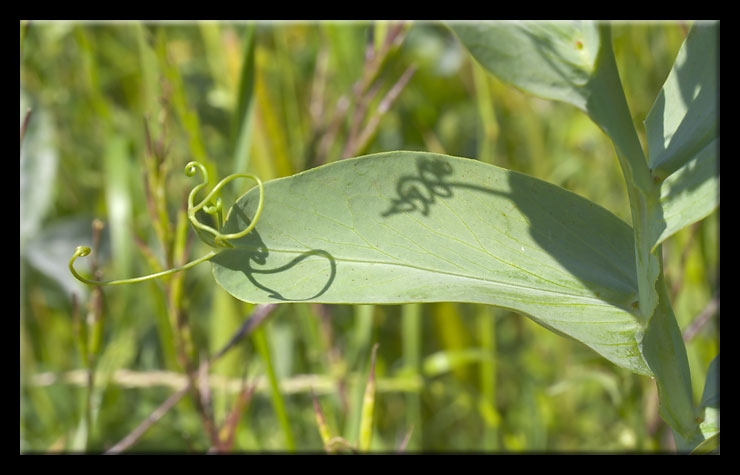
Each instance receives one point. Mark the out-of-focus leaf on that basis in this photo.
(38, 169)
(405, 227)
(445, 361)
(683, 134)
(118, 201)
(50, 250)
(452, 335)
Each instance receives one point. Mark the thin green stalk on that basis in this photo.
(174, 288)
(215, 54)
(489, 128)
(321, 423)
(295, 128)
(242, 119)
(188, 117)
(90, 336)
(361, 344)
(318, 351)
(260, 341)
(368, 407)
(486, 319)
(92, 72)
(270, 132)
(148, 68)
(411, 340)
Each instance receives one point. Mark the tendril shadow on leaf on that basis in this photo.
(241, 260)
(419, 192)
(251, 249)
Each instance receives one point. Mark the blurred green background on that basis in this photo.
(119, 108)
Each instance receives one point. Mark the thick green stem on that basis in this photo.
(662, 346)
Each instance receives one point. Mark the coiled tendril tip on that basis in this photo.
(211, 206)
(191, 167)
(81, 251)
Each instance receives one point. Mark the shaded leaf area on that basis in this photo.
(405, 227)
(683, 134)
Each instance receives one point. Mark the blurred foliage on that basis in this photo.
(118, 109)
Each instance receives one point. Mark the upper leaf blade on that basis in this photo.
(553, 60)
(406, 227)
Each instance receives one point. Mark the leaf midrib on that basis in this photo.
(588, 298)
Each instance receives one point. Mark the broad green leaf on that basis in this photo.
(683, 134)
(405, 227)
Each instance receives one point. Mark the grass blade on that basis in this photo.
(278, 402)
(412, 340)
(321, 423)
(242, 118)
(368, 407)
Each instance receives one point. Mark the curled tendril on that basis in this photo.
(208, 205)
(220, 239)
(83, 251)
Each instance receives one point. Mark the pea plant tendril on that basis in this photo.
(211, 204)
